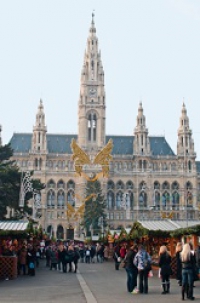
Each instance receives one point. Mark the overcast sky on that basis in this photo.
(150, 53)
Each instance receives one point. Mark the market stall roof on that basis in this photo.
(13, 225)
(168, 225)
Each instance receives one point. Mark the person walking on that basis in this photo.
(188, 263)
(131, 269)
(165, 269)
(179, 247)
(116, 256)
(142, 261)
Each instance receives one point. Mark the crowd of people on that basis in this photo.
(65, 256)
(61, 256)
(137, 263)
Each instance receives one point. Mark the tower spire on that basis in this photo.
(185, 144)
(91, 133)
(141, 141)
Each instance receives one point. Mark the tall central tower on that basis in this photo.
(91, 113)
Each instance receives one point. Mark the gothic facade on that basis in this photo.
(147, 179)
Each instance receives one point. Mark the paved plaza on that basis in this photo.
(93, 283)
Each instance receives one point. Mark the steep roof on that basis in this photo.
(56, 143)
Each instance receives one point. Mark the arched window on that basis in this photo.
(175, 200)
(110, 200)
(156, 185)
(129, 199)
(119, 199)
(50, 198)
(189, 166)
(129, 185)
(70, 197)
(51, 184)
(157, 199)
(143, 199)
(110, 185)
(60, 232)
(92, 127)
(165, 185)
(165, 200)
(175, 185)
(70, 184)
(60, 184)
(120, 185)
(61, 199)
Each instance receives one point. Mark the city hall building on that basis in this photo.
(147, 180)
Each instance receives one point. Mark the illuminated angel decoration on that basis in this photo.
(80, 158)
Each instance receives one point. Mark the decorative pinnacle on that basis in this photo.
(93, 15)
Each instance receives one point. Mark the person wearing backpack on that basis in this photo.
(142, 261)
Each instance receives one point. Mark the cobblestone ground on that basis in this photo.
(98, 282)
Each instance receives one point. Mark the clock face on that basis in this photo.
(92, 92)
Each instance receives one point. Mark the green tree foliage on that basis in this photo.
(10, 180)
(95, 209)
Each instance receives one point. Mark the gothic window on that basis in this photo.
(143, 199)
(175, 200)
(119, 199)
(129, 185)
(165, 199)
(71, 184)
(60, 184)
(110, 185)
(156, 185)
(129, 200)
(50, 198)
(92, 127)
(142, 185)
(188, 185)
(165, 185)
(157, 199)
(110, 200)
(175, 185)
(120, 185)
(189, 166)
(70, 197)
(60, 232)
(51, 184)
(92, 64)
(173, 166)
(39, 137)
(61, 199)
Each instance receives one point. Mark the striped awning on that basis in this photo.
(168, 225)
(13, 225)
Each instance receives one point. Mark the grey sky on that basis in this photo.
(150, 53)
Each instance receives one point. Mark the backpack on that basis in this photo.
(146, 262)
(87, 253)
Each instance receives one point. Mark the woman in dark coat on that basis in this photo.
(179, 247)
(165, 269)
(131, 269)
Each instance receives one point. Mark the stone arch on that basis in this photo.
(70, 184)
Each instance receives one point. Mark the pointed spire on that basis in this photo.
(92, 28)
